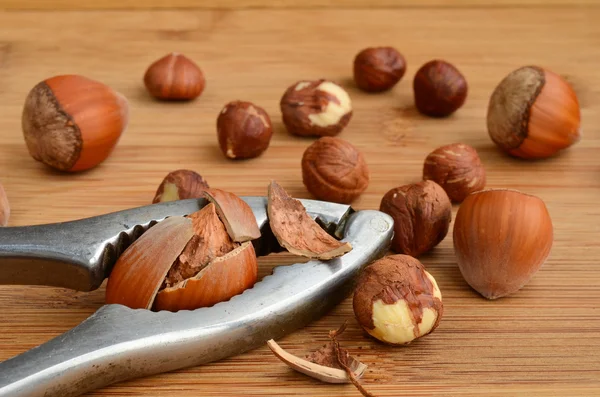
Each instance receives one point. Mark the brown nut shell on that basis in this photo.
(315, 108)
(180, 185)
(296, 231)
(457, 169)
(533, 113)
(174, 77)
(422, 213)
(223, 278)
(236, 214)
(378, 69)
(501, 239)
(141, 269)
(72, 123)
(244, 130)
(439, 89)
(4, 208)
(334, 170)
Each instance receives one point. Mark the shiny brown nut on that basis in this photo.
(439, 88)
(457, 169)
(4, 207)
(180, 185)
(244, 130)
(334, 170)
(378, 69)
(315, 108)
(174, 77)
(397, 301)
(422, 213)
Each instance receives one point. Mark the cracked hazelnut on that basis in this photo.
(316, 108)
(174, 77)
(457, 169)
(397, 301)
(533, 113)
(180, 185)
(334, 170)
(4, 207)
(72, 123)
(439, 88)
(244, 130)
(378, 69)
(422, 213)
(501, 239)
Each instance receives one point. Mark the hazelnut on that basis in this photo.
(180, 185)
(440, 89)
(174, 77)
(315, 108)
(501, 239)
(244, 130)
(378, 69)
(397, 301)
(4, 207)
(422, 213)
(334, 170)
(457, 169)
(533, 113)
(72, 123)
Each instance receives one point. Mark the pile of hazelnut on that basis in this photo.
(501, 237)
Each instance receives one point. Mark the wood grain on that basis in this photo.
(543, 341)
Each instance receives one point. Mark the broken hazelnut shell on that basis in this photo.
(334, 170)
(4, 207)
(439, 89)
(501, 239)
(378, 69)
(72, 123)
(174, 77)
(244, 130)
(236, 214)
(180, 185)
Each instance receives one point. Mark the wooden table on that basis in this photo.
(543, 341)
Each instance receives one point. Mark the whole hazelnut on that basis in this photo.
(397, 301)
(334, 170)
(422, 213)
(315, 108)
(4, 207)
(72, 123)
(533, 113)
(501, 239)
(180, 185)
(174, 77)
(378, 69)
(457, 169)
(440, 89)
(244, 130)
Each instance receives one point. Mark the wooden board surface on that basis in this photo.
(543, 341)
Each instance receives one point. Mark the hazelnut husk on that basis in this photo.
(457, 169)
(422, 213)
(334, 170)
(72, 123)
(174, 77)
(180, 185)
(244, 130)
(501, 239)
(378, 69)
(533, 113)
(4, 207)
(439, 89)
(397, 301)
(315, 108)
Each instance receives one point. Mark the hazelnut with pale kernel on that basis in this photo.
(180, 185)
(174, 77)
(315, 108)
(457, 169)
(397, 301)
(439, 88)
(422, 213)
(378, 69)
(244, 130)
(334, 170)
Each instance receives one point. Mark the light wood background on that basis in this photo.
(543, 341)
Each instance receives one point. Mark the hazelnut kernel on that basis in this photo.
(174, 77)
(422, 213)
(244, 130)
(180, 185)
(439, 88)
(334, 170)
(457, 169)
(315, 108)
(397, 301)
(378, 69)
